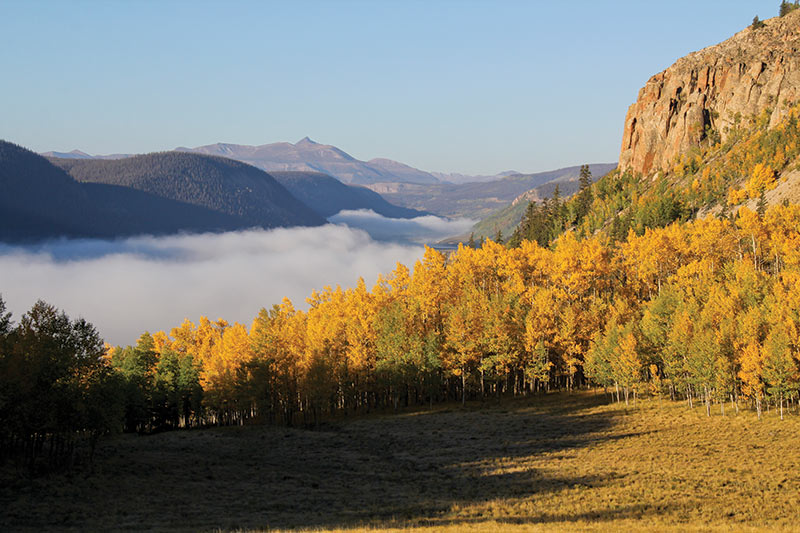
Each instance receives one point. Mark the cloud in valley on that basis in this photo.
(421, 230)
(128, 286)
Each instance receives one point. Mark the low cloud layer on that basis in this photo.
(420, 230)
(128, 286)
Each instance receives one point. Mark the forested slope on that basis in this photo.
(40, 200)
(215, 183)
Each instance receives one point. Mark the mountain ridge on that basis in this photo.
(222, 185)
(307, 155)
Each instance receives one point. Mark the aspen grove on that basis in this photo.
(704, 311)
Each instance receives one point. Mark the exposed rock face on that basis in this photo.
(756, 69)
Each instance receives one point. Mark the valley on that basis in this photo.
(286, 337)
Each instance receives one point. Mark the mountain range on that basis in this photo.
(398, 190)
(309, 156)
(162, 193)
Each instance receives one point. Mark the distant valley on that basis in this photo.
(496, 201)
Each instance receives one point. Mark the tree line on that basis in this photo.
(701, 311)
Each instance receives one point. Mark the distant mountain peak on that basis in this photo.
(74, 154)
(307, 155)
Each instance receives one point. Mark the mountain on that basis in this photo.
(39, 200)
(457, 178)
(309, 156)
(327, 195)
(476, 200)
(708, 93)
(77, 154)
(221, 185)
(74, 154)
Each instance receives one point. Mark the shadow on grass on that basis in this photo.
(408, 468)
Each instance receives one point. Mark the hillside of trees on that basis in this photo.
(714, 178)
(327, 195)
(702, 311)
(39, 200)
(221, 185)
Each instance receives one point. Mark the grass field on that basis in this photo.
(568, 462)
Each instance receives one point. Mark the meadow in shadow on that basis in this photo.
(557, 461)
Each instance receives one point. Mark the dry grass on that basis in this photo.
(538, 464)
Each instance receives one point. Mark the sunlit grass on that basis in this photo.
(562, 462)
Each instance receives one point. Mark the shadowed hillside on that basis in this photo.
(221, 185)
(40, 200)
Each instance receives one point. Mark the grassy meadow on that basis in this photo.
(558, 462)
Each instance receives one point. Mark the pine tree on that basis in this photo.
(499, 237)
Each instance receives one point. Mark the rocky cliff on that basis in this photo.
(756, 69)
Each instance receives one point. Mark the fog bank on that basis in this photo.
(128, 286)
(420, 230)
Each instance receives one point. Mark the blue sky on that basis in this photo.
(468, 86)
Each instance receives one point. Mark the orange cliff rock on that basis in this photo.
(754, 70)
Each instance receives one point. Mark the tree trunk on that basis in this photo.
(463, 388)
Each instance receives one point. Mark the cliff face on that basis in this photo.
(754, 70)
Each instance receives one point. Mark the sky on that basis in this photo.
(475, 87)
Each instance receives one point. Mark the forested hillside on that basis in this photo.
(40, 200)
(221, 185)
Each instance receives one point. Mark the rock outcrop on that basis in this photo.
(706, 91)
